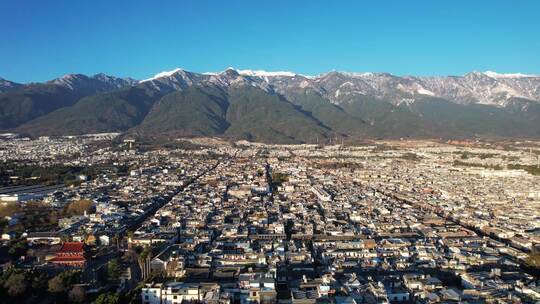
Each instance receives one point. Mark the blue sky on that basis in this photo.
(41, 40)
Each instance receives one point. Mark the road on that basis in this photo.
(90, 274)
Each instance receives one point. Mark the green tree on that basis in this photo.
(107, 298)
(146, 253)
(113, 270)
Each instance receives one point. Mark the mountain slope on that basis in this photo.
(260, 116)
(242, 113)
(6, 85)
(388, 120)
(474, 119)
(329, 114)
(198, 111)
(31, 101)
(105, 112)
(279, 106)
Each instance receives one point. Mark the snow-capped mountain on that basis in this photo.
(29, 101)
(485, 88)
(279, 106)
(6, 85)
(261, 73)
(179, 79)
(100, 81)
(475, 87)
(115, 81)
(488, 88)
(508, 75)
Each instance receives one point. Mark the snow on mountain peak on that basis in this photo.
(509, 75)
(262, 73)
(358, 74)
(424, 91)
(480, 87)
(163, 74)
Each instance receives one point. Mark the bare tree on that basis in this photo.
(77, 294)
(16, 284)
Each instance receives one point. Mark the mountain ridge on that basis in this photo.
(279, 106)
(474, 87)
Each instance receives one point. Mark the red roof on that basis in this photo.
(72, 247)
(68, 259)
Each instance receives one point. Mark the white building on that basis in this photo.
(176, 292)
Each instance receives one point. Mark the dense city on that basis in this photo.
(109, 219)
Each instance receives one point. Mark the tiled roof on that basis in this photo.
(72, 247)
(68, 259)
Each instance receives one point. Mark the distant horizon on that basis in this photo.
(45, 40)
(515, 74)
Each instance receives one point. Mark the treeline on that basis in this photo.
(18, 284)
(477, 165)
(531, 169)
(410, 156)
(54, 174)
(37, 216)
(467, 155)
(339, 165)
(32, 286)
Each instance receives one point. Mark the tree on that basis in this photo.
(53, 217)
(56, 285)
(279, 178)
(16, 284)
(107, 298)
(18, 249)
(130, 234)
(79, 207)
(3, 223)
(113, 270)
(39, 281)
(533, 260)
(77, 294)
(130, 256)
(146, 253)
(115, 241)
(144, 257)
(62, 282)
(9, 209)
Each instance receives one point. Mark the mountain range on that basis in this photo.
(277, 107)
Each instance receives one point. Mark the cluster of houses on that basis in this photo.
(253, 223)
